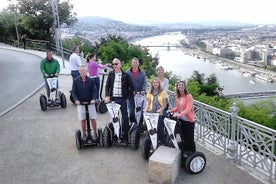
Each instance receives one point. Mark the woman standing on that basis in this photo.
(93, 67)
(184, 111)
(163, 80)
(156, 103)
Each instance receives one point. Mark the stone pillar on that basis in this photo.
(232, 148)
(164, 165)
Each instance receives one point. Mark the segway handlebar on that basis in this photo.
(86, 103)
(51, 75)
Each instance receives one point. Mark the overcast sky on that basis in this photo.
(244, 11)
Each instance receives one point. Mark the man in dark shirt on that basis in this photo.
(83, 90)
(119, 88)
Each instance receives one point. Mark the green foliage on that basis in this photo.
(117, 47)
(262, 112)
(35, 17)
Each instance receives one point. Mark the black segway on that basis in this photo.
(101, 106)
(194, 162)
(112, 133)
(57, 98)
(150, 143)
(80, 143)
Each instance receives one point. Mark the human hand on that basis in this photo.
(56, 74)
(107, 99)
(92, 102)
(46, 75)
(77, 102)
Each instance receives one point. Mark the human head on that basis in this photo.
(76, 49)
(82, 71)
(155, 84)
(181, 86)
(160, 71)
(49, 55)
(90, 57)
(134, 63)
(116, 63)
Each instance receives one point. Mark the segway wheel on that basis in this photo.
(195, 163)
(43, 102)
(101, 107)
(146, 148)
(100, 137)
(134, 139)
(63, 101)
(106, 137)
(78, 139)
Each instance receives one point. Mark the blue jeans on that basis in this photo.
(74, 74)
(97, 86)
(124, 113)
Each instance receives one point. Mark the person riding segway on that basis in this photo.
(83, 90)
(50, 69)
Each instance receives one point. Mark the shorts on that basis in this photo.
(82, 114)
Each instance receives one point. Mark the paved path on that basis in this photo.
(39, 147)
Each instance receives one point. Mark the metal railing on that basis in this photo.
(240, 140)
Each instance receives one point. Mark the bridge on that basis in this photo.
(252, 95)
(168, 46)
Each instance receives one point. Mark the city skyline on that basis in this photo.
(177, 11)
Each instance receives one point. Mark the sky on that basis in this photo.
(171, 11)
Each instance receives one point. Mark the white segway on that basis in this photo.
(112, 133)
(150, 143)
(194, 162)
(139, 99)
(56, 99)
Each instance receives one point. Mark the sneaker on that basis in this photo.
(84, 138)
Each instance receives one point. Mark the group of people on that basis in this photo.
(121, 87)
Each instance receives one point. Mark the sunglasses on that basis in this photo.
(115, 63)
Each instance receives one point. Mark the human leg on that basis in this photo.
(97, 86)
(188, 135)
(82, 117)
(131, 108)
(93, 116)
(124, 112)
(47, 88)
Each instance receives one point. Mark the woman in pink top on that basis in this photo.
(93, 67)
(184, 111)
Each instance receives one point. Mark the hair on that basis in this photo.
(185, 90)
(160, 67)
(152, 88)
(135, 58)
(90, 56)
(116, 59)
(75, 48)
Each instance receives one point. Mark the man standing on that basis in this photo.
(83, 90)
(75, 62)
(119, 88)
(140, 86)
(49, 66)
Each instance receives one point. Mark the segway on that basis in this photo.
(112, 133)
(101, 106)
(80, 143)
(150, 143)
(57, 98)
(194, 162)
(139, 100)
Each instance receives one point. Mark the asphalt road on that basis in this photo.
(19, 77)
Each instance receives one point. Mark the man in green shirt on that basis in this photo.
(49, 66)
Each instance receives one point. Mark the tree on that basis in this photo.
(36, 17)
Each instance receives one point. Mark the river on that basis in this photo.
(183, 65)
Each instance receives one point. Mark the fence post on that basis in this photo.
(233, 145)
